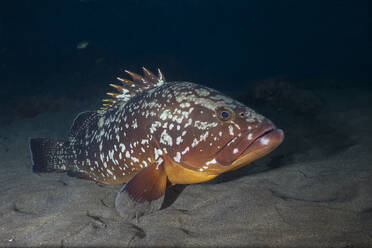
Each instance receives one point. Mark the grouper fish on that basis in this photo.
(153, 134)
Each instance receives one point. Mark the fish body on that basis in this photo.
(155, 133)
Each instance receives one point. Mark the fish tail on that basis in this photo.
(49, 155)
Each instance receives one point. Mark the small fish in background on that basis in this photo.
(153, 134)
(82, 45)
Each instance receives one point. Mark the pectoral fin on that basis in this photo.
(144, 193)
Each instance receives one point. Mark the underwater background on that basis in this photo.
(306, 65)
(224, 44)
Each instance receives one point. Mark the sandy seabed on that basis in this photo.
(315, 190)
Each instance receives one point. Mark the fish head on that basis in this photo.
(213, 133)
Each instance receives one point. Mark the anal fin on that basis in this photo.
(144, 193)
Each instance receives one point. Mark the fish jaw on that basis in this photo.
(179, 174)
(249, 146)
(259, 148)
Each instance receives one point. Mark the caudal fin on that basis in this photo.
(48, 155)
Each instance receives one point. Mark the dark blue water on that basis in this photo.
(219, 43)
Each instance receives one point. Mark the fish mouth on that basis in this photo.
(249, 146)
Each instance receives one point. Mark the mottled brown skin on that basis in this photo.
(158, 132)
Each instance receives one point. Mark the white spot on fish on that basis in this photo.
(186, 150)
(122, 147)
(165, 138)
(134, 124)
(165, 114)
(213, 161)
(111, 154)
(231, 130)
(202, 92)
(179, 140)
(101, 121)
(195, 142)
(204, 125)
(134, 159)
(189, 122)
(177, 158)
(264, 141)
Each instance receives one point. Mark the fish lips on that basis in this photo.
(251, 145)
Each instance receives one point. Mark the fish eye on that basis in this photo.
(242, 114)
(224, 114)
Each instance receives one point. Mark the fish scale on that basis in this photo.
(154, 133)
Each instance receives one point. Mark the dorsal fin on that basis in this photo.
(80, 123)
(130, 88)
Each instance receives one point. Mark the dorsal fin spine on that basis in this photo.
(136, 78)
(161, 76)
(118, 87)
(149, 76)
(112, 94)
(124, 80)
(131, 88)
